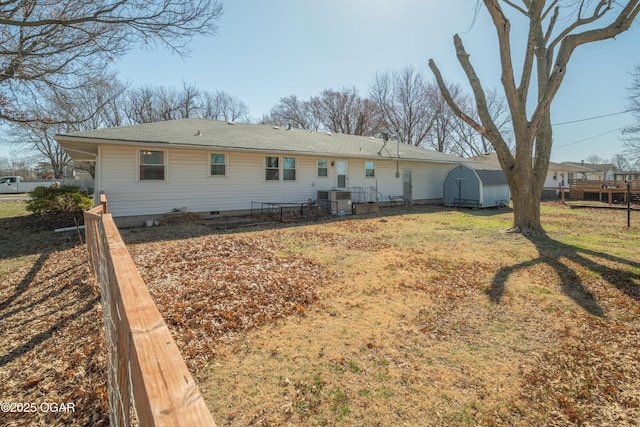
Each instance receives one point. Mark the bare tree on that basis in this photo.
(97, 105)
(406, 103)
(442, 135)
(140, 105)
(594, 159)
(189, 105)
(89, 108)
(345, 112)
(53, 46)
(290, 111)
(21, 163)
(4, 166)
(544, 64)
(153, 104)
(631, 134)
(221, 105)
(621, 164)
(149, 104)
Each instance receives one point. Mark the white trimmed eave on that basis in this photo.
(79, 152)
(86, 149)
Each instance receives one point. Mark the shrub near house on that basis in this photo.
(52, 200)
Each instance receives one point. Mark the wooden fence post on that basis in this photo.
(144, 360)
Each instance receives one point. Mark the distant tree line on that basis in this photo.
(108, 103)
(402, 105)
(631, 134)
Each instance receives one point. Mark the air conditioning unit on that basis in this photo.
(339, 202)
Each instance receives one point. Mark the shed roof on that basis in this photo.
(213, 134)
(487, 173)
(491, 176)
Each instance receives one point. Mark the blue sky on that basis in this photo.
(265, 50)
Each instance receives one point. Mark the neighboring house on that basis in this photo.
(593, 171)
(213, 167)
(559, 174)
(626, 176)
(475, 185)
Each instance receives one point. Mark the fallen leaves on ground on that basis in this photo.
(214, 286)
(412, 324)
(52, 355)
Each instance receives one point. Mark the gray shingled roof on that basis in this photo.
(214, 134)
(491, 177)
(591, 167)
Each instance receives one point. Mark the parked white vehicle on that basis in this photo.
(16, 184)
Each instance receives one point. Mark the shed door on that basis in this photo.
(406, 184)
(341, 173)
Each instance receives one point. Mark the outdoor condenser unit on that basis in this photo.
(338, 201)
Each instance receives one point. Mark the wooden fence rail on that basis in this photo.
(149, 382)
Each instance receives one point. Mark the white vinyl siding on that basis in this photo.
(190, 186)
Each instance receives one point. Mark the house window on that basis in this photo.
(555, 176)
(272, 169)
(369, 169)
(152, 165)
(323, 167)
(289, 168)
(218, 164)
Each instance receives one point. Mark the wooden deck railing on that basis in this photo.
(578, 188)
(149, 382)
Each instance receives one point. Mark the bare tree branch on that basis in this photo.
(526, 169)
(57, 46)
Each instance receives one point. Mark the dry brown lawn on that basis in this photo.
(420, 317)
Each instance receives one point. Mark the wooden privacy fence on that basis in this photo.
(149, 382)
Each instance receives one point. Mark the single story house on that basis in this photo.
(560, 174)
(215, 167)
(557, 173)
(475, 185)
(593, 171)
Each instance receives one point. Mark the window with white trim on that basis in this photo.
(323, 168)
(218, 164)
(289, 168)
(280, 168)
(369, 168)
(152, 165)
(272, 168)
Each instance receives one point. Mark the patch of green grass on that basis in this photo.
(385, 392)
(9, 266)
(13, 208)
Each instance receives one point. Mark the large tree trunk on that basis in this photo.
(546, 56)
(526, 205)
(526, 180)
